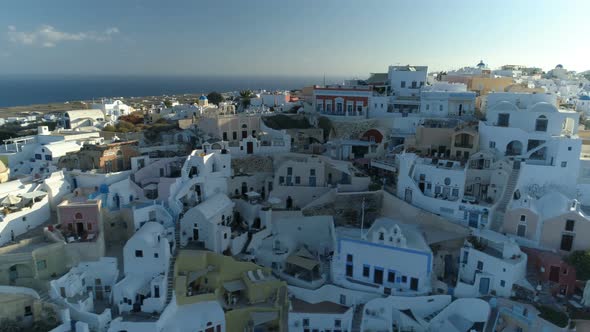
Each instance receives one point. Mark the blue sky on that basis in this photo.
(276, 37)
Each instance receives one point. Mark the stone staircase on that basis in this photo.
(500, 209)
(357, 317)
(170, 288)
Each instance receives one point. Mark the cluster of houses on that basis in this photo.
(405, 202)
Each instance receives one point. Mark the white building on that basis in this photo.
(444, 99)
(113, 109)
(438, 186)
(406, 83)
(425, 313)
(320, 316)
(201, 316)
(490, 264)
(87, 291)
(531, 130)
(390, 258)
(209, 223)
(146, 258)
(297, 249)
(82, 119)
(582, 104)
(204, 174)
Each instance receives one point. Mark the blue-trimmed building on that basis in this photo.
(389, 258)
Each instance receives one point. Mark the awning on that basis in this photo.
(259, 318)
(234, 286)
(151, 186)
(33, 194)
(305, 263)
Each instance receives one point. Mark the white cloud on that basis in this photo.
(48, 36)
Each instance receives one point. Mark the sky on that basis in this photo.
(287, 38)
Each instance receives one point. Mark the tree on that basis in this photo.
(109, 127)
(167, 103)
(580, 260)
(246, 95)
(215, 97)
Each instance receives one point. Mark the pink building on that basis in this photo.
(80, 217)
(552, 269)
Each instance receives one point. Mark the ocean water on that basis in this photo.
(27, 90)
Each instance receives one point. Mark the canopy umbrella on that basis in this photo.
(10, 200)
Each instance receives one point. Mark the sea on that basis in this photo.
(34, 89)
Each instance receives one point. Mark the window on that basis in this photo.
(41, 265)
(38, 156)
(28, 311)
(567, 240)
(414, 84)
(349, 258)
(403, 84)
(305, 322)
(503, 120)
(48, 157)
(88, 226)
(138, 253)
(281, 179)
(455, 192)
(502, 283)
(564, 271)
(234, 135)
(342, 299)
(225, 135)
(312, 172)
(297, 180)
(391, 276)
(480, 265)
(564, 164)
(79, 216)
(437, 190)
(492, 144)
(404, 279)
(366, 271)
(289, 170)
(349, 270)
(569, 148)
(541, 123)
(522, 217)
(569, 225)
(381, 236)
(225, 235)
(337, 323)
(156, 255)
(428, 107)
(440, 107)
(447, 181)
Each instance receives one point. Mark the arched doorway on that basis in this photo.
(514, 148)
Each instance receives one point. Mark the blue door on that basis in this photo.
(484, 286)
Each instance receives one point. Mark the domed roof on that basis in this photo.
(544, 107)
(203, 97)
(481, 64)
(560, 66)
(504, 106)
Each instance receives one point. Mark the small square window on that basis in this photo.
(569, 148)
(28, 311)
(564, 164)
(492, 144)
(404, 279)
(522, 217)
(138, 253)
(41, 265)
(156, 255)
(349, 258)
(337, 323)
(502, 283)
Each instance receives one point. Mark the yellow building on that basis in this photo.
(32, 262)
(4, 172)
(23, 307)
(484, 84)
(250, 296)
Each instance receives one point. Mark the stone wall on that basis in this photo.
(347, 207)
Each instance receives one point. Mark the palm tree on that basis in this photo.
(245, 96)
